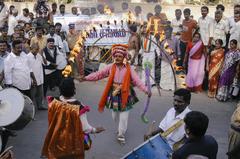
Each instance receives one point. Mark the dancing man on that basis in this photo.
(119, 94)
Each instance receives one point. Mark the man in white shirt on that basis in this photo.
(3, 55)
(17, 72)
(235, 30)
(174, 115)
(177, 23)
(206, 26)
(22, 19)
(12, 21)
(58, 40)
(220, 29)
(35, 62)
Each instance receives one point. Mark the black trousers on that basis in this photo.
(50, 81)
(183, 47)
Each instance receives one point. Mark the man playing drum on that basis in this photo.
(174, 117)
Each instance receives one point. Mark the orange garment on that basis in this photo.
(188, 28)
(215, 65)
(124, 90)
(65, 138)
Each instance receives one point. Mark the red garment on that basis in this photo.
(198, 54)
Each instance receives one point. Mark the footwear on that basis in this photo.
(121, 139)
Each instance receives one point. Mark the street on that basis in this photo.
(28, 143)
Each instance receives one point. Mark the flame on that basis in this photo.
(162, 36)
(155, 23)
(167, 48)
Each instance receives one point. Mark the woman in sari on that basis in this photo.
(195, 61)
(228, 72)
(215, 65)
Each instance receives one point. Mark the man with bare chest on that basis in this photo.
(133, 44)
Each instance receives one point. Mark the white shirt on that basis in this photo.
(17, 71)
(235, 33)
(206, 28)
(220, 30)
(175, 25)
(35, 63)
(231, 22)
(12, 22)
(169, 120)
(57, 40)
(23, 18)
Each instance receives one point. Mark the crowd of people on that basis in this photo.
(34, 51)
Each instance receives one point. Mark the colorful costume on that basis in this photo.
(227, 74)
(196, 64)
(118, 94)
(215, 65)
(68, 129)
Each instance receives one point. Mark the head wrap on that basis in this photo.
(119, 49)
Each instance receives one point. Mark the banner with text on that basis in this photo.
(105, 29)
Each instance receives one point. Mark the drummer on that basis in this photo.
(176, 114)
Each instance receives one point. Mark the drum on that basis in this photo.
(16, 110)
(154, 148)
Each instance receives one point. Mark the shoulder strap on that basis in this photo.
(172, 128)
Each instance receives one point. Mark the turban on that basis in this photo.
(120, 49)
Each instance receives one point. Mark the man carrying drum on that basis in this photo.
(172, 125)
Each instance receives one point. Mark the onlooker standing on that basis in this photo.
(17, 71)
(195, 61)
(206, 27)
(35, 62)
(50, 54)
(177, 23)
(188, 27)
(53, 12)
(235, 30)
(12, 22)
(22, 19)
(62, 10)
(220, 28)
(74, 11)
(228, 72)
(57, 38)
(40, 39)
(216, 58)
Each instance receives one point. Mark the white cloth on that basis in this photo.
(220, 30)
(35, 63)
(12, 22)
(3, 15)
(231, 22)
(123, 121)
(87, 128)
(175, 25)
(17, 71)
(235, 33)
(57, 40)
(23, 18)
(206, 29)
(169, 120)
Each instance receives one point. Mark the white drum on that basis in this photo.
(16, 110)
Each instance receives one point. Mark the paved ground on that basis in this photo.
(28, 143)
